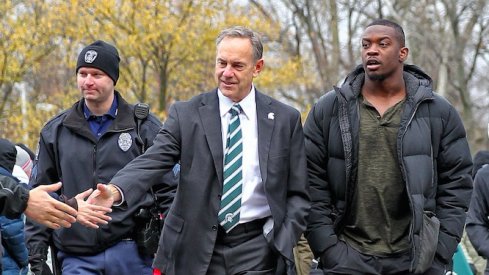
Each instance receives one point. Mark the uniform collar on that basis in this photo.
(111, 113)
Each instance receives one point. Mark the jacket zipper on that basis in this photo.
(339, 220)
(404, 173)
(349, 183)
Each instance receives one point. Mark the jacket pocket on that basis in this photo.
(171, 231)
(174, 222)
(428, 242)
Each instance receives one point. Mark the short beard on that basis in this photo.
(377, 77)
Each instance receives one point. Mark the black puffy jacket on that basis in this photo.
(433, 154)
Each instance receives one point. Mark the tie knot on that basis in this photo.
(235, 110)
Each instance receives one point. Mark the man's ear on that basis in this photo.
(403, 54)
(258, 67)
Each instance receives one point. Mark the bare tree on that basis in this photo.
(447, 39)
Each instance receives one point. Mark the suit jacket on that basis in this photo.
(192, 136)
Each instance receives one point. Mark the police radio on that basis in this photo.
(141, 112)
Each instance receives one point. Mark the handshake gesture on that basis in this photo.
(90, 208)
(94, 209)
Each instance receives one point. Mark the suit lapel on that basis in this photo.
(211, 123)
(265, 120)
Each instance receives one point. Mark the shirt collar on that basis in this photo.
(111, 113)
(247, 104)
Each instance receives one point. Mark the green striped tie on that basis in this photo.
(233, 173)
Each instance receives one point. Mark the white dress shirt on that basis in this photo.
(254, 204)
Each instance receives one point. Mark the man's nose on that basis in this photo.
(373, 50)
(228, 72)
(89, 79)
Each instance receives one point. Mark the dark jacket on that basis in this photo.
(192, 135)
(13, 197)
(434, 160)
(481, 158)
(69, 152)
(12, 235)
(477, 219)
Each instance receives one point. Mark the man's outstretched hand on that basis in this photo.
(90, 215)
(44, 209)
(103, 196)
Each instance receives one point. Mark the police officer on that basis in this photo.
(85, 145)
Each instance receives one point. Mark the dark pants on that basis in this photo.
(122, 258)
(244, 250)
(343, 259)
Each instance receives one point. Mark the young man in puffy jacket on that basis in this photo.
(389, 167)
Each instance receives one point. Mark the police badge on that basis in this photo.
(125, 141)
(90, 56)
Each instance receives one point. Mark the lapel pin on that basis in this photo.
(271, 116)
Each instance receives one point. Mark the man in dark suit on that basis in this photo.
(243, 196)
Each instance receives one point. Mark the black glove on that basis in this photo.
(37, 259)
(41, 269)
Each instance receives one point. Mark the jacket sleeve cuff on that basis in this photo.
(122, 196)
(24, 197)
(71, 202)
(319, 243)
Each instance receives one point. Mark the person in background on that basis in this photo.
(481, 158)
(389, 167)
(14, 259)
(37, 204)
(477, 225)
(32, 155)
(242, 200)
(23, 165)
(85, 145)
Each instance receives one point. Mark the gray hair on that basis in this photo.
(243, 32)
